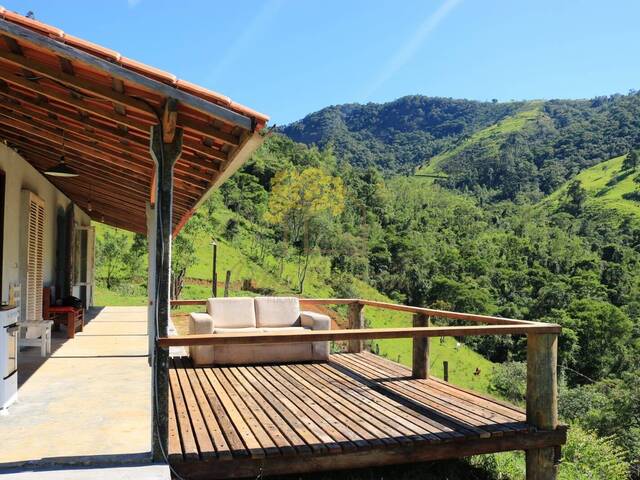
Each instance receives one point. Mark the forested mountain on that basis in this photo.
(496, 150)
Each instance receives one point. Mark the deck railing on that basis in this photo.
(542, 344)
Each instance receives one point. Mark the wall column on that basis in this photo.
(165, 154)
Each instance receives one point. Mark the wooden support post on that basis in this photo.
(445, 370)
(421, 348)
(356, 321)
(165, 156)
(542, 402)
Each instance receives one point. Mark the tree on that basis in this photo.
(110, 255)
(630, 160)
(301, 202)
(604, 333)
(576, 196)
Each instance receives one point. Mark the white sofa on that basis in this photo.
(260, 314)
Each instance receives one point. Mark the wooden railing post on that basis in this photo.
(421, 348)
(542, 402)
(356, 321)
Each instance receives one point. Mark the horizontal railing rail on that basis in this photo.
(352, 334)
(470, 317)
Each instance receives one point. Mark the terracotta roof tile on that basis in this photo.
(203, 92)
(32, 24)
(149, 71)
(92, 48)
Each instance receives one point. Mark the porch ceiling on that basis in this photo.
(56, 87)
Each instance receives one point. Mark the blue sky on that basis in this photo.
(288, 58)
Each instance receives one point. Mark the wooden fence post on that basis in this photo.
(227, 281)
(421, 348)
(356, 320)
(445, 370)
(542, 402)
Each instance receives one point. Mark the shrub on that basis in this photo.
(509, 380)
(587, 456)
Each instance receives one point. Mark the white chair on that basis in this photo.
(36, 334)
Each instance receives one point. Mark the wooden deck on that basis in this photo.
(355, 411)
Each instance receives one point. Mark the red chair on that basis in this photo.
(72, 317)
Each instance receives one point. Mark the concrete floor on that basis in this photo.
(89, 403)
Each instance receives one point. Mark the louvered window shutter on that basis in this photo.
(34, 257)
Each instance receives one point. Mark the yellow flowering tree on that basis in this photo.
(301, 204)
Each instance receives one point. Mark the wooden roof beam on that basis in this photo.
(118, 179)
(10, 76)
(27, 102)
(76, 83)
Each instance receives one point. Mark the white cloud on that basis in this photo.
(411, 46)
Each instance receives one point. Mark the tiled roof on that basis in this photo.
(134, 65)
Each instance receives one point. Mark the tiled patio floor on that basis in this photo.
(89, 402)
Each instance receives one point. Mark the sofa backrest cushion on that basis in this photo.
(277, 312)
(236, 312)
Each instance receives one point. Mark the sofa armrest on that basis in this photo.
(200, 323)
(315, 321)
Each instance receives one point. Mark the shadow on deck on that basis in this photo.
(357, 410)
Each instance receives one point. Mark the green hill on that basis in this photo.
(606, 185)
(489, 138)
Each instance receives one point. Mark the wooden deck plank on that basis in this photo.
(294, 440)
(198, 426)
(314, 443)
(187, 439)
(468, 421)
(485, 401)
(237, 421)
(173, 444)
(231, 435)
(305, 415)
(355, 410)
(223, 451)
(473, 417)
(364, 425)
(442, 427)
(252, 443)
(412, 425)
(494, 418)
(245, 392)
(315, 400)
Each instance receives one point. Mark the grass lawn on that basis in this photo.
(605, 184)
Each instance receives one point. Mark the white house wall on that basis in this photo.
(20, 175)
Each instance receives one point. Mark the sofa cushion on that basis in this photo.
(235, 312)
(261, 354)
(277, 312)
